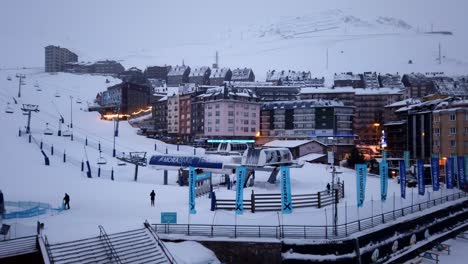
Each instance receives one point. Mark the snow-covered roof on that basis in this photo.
(177, 70)
(395, 123)
(311, 157)
(200, 71)
(301, 104)
(244, 92)
(287, 143)
(219, 73)
(241, 74)
(347, 76)
(409, 101)
(274, 75)
(349, 89)
(391, 80)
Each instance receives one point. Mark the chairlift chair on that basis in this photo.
(57, 94)
(78, 101)
(67, 132)
(101, 160)
(38, 88)
(9, 78)
(48, 131)
(9, 109)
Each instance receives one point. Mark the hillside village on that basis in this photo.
(422, 112)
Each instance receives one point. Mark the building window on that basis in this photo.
(209, 106)
(209, 129)
(217, 129)
(230, 113)
(246, 122)
(254, 114)
(253, 122)
(210, 113)
(246, 114)
(246, 129)
(452, 117)
(252, 129)
(466, 130)
(230, 121)
(217, 121)
(230, 129)
(436, 143)
(453, 143)
(217, 113)
(217, 106)
(453, 130)
(437, 131)
(230, 105)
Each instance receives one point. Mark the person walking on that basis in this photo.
(152, 195)
(66, 201)
(328, 187)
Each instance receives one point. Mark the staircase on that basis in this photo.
(18, 246)
(134, 246)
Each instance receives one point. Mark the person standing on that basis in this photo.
(66, 201)
(152, 195)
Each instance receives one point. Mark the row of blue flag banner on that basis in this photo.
(461, 162)
(241, 172)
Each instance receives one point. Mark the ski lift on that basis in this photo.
(9, 109)
(57, 94)
(38, 88)
(67, 132)
(101, 160)
(48, 131)
(9, 78)
(78, 101)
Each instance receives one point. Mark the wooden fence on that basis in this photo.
(272, 201)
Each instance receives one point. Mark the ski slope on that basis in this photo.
(124, 204)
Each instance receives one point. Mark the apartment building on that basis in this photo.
(56, 57)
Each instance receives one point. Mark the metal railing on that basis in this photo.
(300, 231)
(160, 243)
(103, 236)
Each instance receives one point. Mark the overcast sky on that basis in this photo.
(106, 28)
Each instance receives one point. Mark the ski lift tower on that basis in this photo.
(28, 108)
(138, 158)
(20, 77)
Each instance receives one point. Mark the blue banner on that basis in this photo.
(383, 168)
(286, 200)
(449, 179)
(192, 183)
(435, 174)
(403, 179)
(406, 156)
(361, 174)
(461, 171)
(240, 190)
(384, 155)
(420, 174)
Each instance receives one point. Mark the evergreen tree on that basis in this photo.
(355, 157)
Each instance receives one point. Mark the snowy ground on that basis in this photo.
(124, 204)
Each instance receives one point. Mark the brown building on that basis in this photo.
(157, 72)
(417, 85)
(126, 97)
(108, 67)
(450, 128)
(159, 112)
(185, 116)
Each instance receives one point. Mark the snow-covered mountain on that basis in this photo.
(358, 35)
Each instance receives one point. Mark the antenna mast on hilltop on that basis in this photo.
(440, 54)
(216, 64)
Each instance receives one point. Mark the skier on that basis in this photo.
(66, 201)
(152, 195)
(328, 187)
